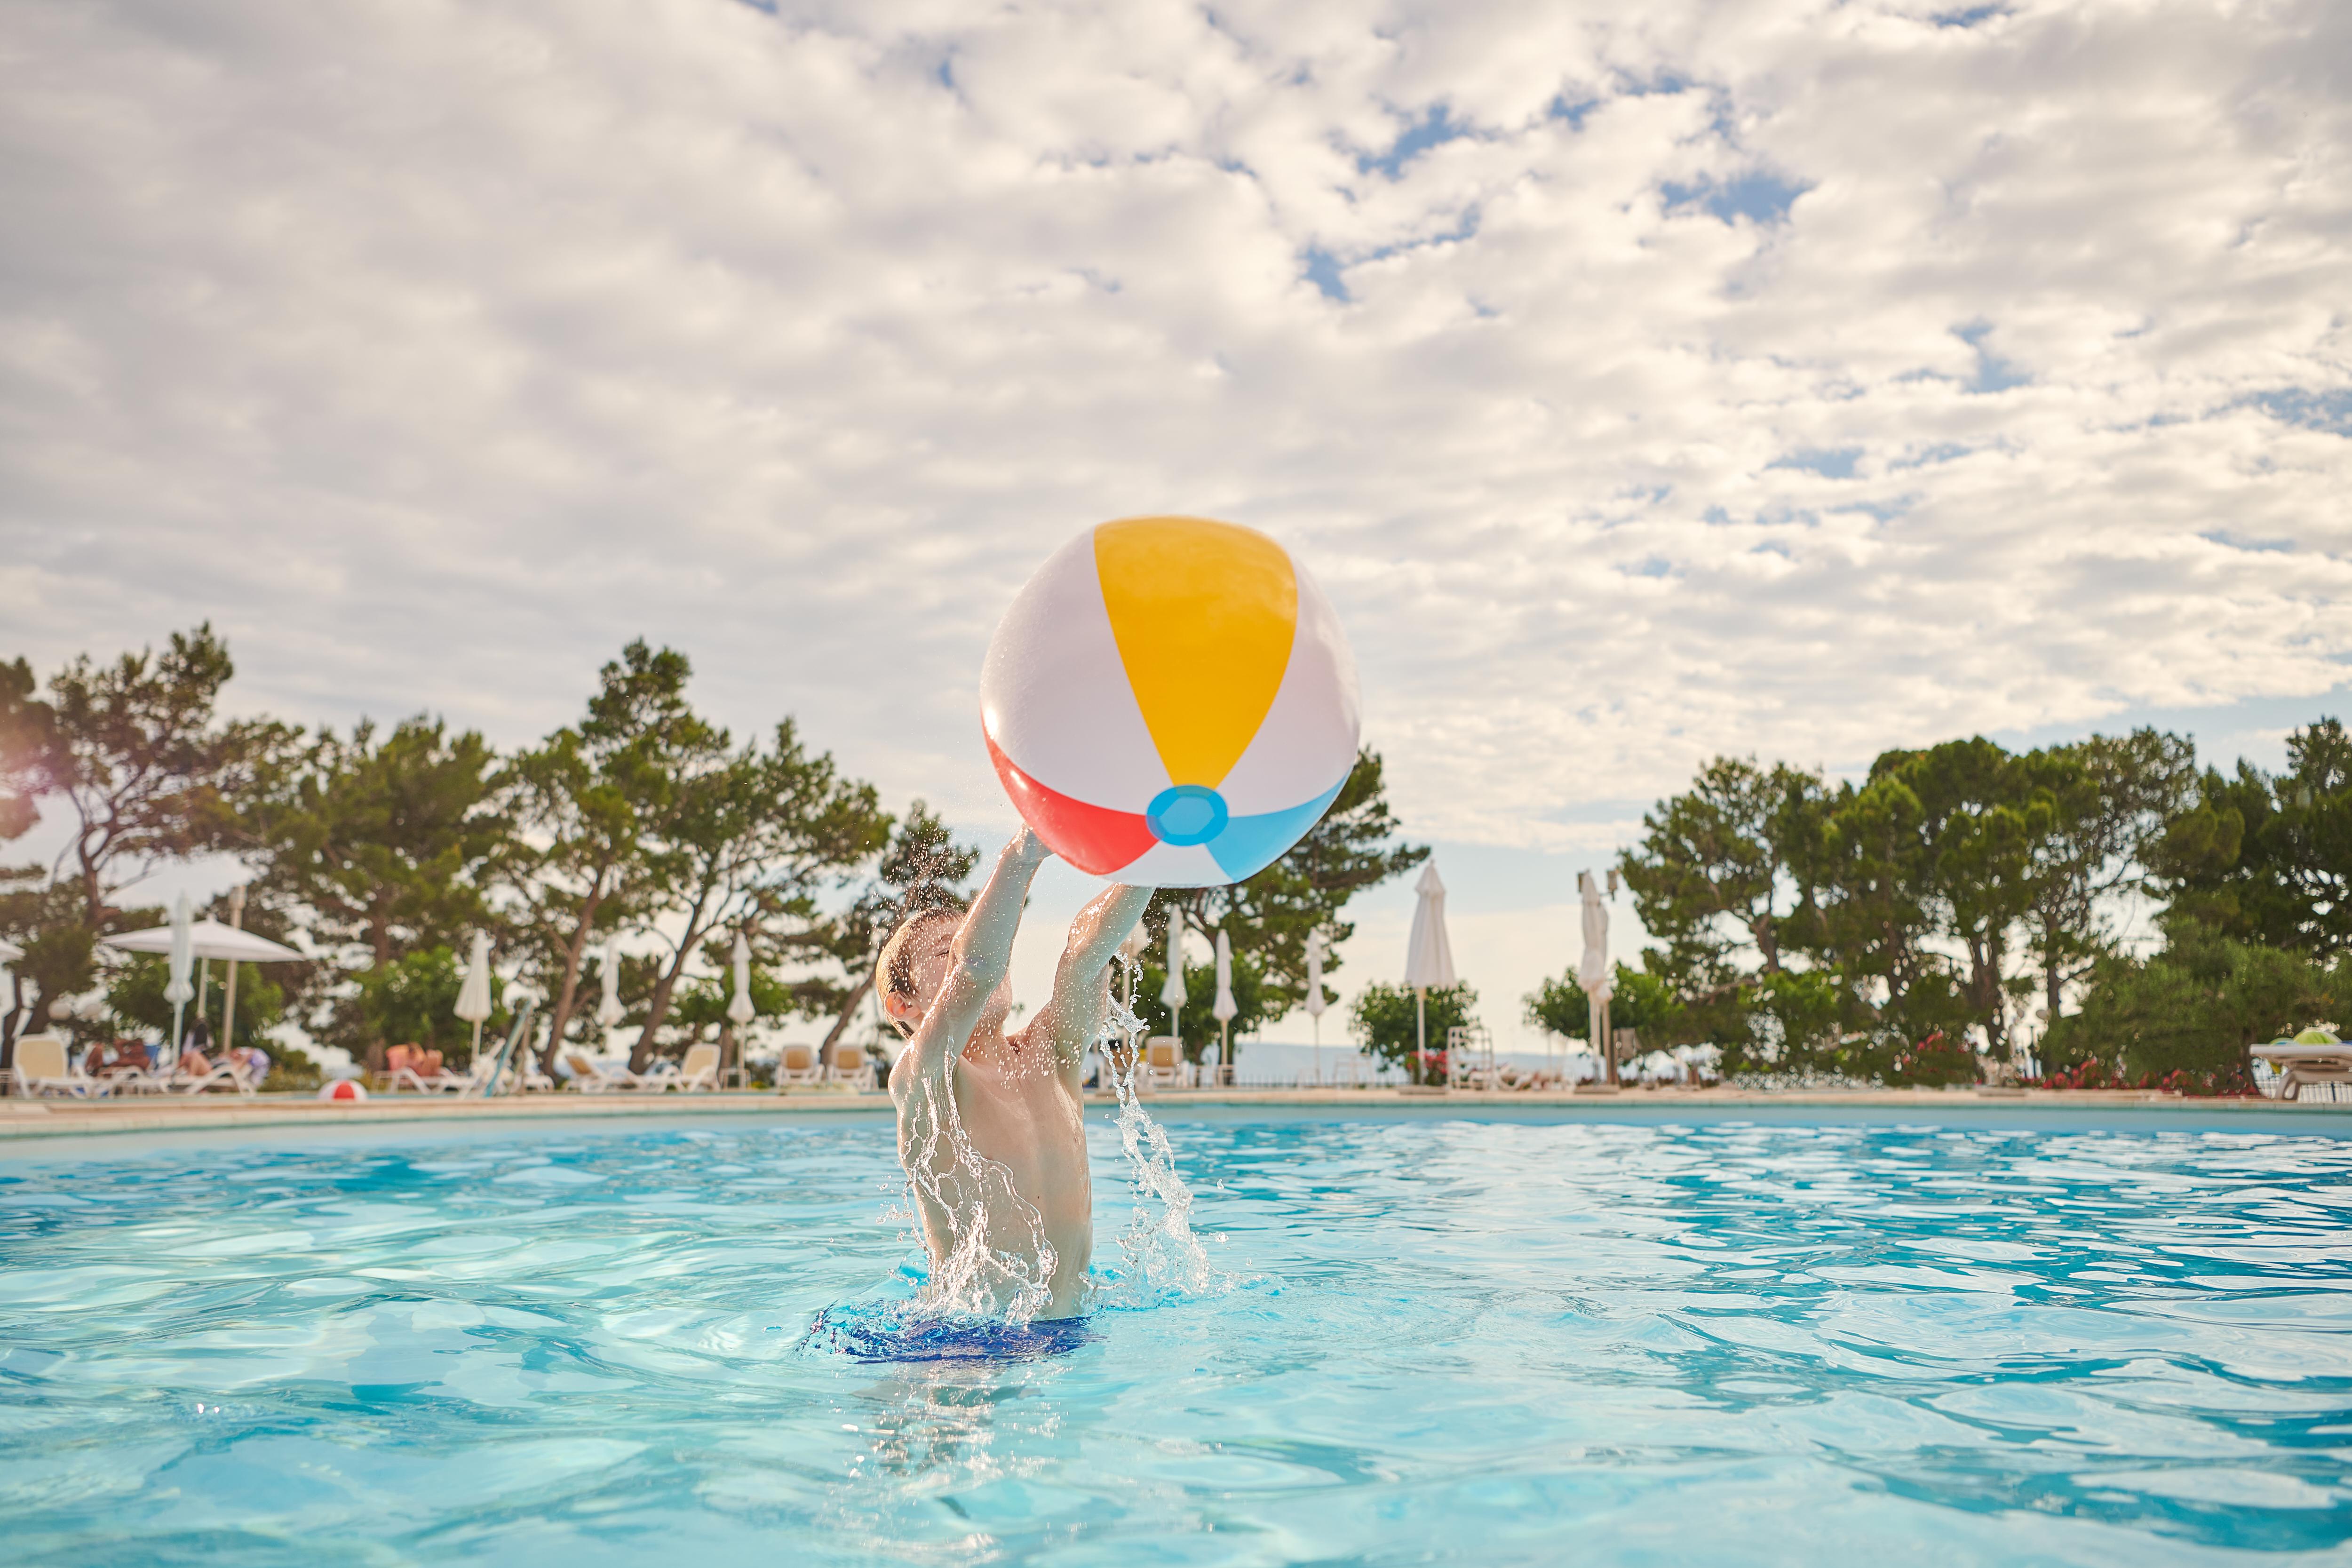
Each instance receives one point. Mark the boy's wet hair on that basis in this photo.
(894, 972)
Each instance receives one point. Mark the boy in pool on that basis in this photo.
(964, 1088)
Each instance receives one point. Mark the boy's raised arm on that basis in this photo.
(982, 956)
(1081, 991)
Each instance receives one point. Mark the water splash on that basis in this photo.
(1162, 1259)
(998, 1265)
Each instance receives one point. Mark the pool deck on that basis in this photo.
(35, 1118)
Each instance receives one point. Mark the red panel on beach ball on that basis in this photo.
(1096, 840)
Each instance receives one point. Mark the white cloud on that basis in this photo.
(1789, 377)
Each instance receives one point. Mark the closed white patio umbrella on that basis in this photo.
(1224, 1008)
(608, 970)
(1172, 995)
(182, 959)
(1315, 1003)
(740, 1011)
(474, 994)
(1428, 955)
(1593, 974)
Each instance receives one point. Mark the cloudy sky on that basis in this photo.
(1641, 383)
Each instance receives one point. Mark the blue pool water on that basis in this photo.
(1434, 1340)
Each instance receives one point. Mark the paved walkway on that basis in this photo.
(31, 1119)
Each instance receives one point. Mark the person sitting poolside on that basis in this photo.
(104, 1058)
(992, 1126)
(414, 1059)
(194, 1063)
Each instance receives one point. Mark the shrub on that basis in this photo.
(413, 1001)
(2186, 1015)
(1938, 1059)
(1385, 1023)
(290, 1070)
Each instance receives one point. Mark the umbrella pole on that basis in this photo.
(228, 993)
(1419, 1030)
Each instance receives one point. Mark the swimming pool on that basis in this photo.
(1433, 1340)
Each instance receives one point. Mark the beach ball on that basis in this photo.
(1171, 702)
(344, 1089)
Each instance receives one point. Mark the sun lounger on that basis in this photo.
(851, 1066)
(2299, 1064)
(42, 1068)
(222, 1074)
(526, 1074)
(1165, 1066)
(698, 1072)
(442, 1082)
(798, 1064)
(590, 1078)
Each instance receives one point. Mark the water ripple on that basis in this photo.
(1447, 1341)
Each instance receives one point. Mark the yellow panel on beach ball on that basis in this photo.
(1203, 613)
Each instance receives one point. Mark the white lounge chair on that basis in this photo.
(590, 1078)
(851, 1066)
(1163, 1064)
(221, 1074)
(442, 1082)
(1469, 1058)
(798, 1064)
(2297, 1062)
(698, 1073)
(42, 1068)
(526, 1074)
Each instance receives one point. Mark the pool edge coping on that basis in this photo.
(28, 1122)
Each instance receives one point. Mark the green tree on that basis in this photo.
(382, 843)
(2111, 798)
(145, 770)
(411, 1000)
(1266, 919)
(1713, 875)
(1387, 1021)
(583, 803)
(749, 842)
(60, 952)
(922, 868)
(134, 996)
(2188, 1013)
(1982, 813)
(2269, 860)
(1730, 875)
(29, 756)
(1645, 1001)
(1876, 897)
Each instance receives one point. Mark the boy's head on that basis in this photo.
(914, 967)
